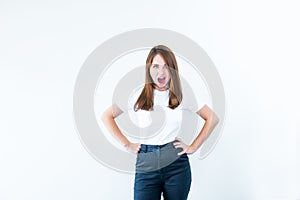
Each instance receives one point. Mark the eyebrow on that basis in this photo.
(159, 64)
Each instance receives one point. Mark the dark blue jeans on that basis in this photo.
(159, 170)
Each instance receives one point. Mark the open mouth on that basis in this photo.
(161, 80)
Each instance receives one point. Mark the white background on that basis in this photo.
(254, 45)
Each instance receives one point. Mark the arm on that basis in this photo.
(108, 118)
(211, 120)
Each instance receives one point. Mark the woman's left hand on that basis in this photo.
(186, 148)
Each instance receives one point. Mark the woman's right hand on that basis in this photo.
(133, 147)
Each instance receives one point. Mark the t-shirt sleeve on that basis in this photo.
(125, 100)
(194, 99)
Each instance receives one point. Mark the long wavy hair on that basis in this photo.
(145, 100)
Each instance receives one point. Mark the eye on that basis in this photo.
(155, 66)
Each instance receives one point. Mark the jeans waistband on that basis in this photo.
(149, 147)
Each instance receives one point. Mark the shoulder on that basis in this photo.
(134, 95)
(194, 99)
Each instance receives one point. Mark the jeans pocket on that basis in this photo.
(184, 157)
(145, 162)
(142, 150)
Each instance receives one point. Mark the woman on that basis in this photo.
(162, 165)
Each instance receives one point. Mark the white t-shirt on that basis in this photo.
(163, 124)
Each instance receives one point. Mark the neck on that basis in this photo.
(161, 88)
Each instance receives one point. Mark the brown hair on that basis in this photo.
(145, 100)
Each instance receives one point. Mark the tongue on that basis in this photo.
(161, 80)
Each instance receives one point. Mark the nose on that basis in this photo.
(160, 70)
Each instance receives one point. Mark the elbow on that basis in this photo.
(215, 120)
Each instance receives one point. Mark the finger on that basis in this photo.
(179, 146)
(176, 145)
(179, 139)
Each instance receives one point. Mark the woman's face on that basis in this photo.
(159, 73)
